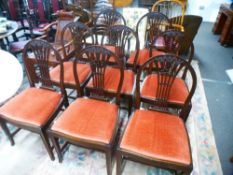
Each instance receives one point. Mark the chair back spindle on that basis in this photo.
(98, 58)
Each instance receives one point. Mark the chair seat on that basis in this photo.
(112, 78)
(157, 136)
(88, 120)
(143, 56)
(83, 73)
(33, 106)
(114, 49)
(178, 94)
(17, 46)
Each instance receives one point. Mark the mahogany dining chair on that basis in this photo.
(154, 135)
(91, 122)
(35, 107)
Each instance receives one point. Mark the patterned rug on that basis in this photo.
(29, 157)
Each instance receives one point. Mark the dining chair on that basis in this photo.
(154, 24)
(154, 136)
(104, 20)
(79, 33)
(170, 41)
(63, 18)
(91, 122)
(173, 9)
(121, 40)
(40, 12)
(34, 108)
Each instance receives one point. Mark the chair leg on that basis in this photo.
(109, 161)
(47, 145)
(7, 132)
(57, 148)
(130, 103)
(118, 163)
(187, 111)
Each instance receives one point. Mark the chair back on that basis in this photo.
(64, 18)
(12, 8)
(98, 57)
(166, 68)
(124, 39)
(55, 6)
(81, 37)
(104, 20)
(172, 41)
(173, 9)
(156, 23)
(38, 68)
(38, 9)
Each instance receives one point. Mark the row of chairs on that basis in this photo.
(102, 74)
(119, 39)
(93, 122)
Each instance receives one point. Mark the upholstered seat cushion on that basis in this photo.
(83, 72)
(17, 46)
(112, 78)
(179, 91)
(33, 106)
(143, 56)
(157, 136)
(88, 120)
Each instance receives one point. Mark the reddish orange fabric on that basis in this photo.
(143, 56)
(83, 72)
(179, 91)
(88, 119)
(112, 78)
(158, 136)
(113, 49)
(32, 106)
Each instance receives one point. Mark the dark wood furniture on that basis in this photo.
(156, 23)
(154, 136)
(91, 123)
(104, 20)
(178, 96)
(79, 33)
(35, 107)
(120, 39)
(224, 24)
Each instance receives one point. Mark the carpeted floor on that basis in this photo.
(28, 156)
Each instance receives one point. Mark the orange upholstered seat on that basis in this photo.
(111, 80)
(157, 136)
(143, 56)
(178, 94)
(33, 106)
(88, 119)
(83, 72)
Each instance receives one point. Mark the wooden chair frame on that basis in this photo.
(104, 20)
(120, 36)
(80, 33)
(123, 155)
(168, 8)
(41, 49)
(97, 57)
(156, 24)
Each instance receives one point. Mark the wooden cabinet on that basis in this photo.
(224, 24)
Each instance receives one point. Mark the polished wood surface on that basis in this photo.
(224, 24)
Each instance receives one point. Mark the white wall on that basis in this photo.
(208, 9)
